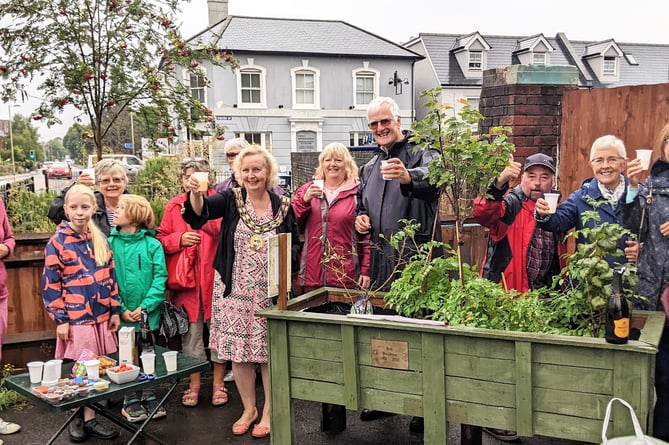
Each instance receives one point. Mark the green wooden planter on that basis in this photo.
(536, 384)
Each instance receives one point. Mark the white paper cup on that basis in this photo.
(51, 373)
(320, 183)
(203, 179)
(35, 369)
(384, 164)
(552, 199)
(92, 369)
(644, 155)
(170, 360)
(90, 172)
(148, 362)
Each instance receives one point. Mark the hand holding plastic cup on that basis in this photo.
(91, 174)
(148, 362)
(384, 164)
(644, 155)
(35, 369)
(320, 183)
(203, 179)
(92, 369)
(552, 199)
(170, 360)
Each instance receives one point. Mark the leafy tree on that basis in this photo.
(104, 57)
(54, 150)
(78, 141)
(25, 138)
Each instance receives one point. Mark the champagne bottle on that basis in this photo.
(617, 312)
(147, 342)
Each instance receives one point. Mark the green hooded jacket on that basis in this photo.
(141, 273)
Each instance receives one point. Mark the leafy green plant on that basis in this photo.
(8, 397)
(579, 295)
(158, 181)
(27, 210)
(467, 161)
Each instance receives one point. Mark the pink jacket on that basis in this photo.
(6, 238)
(347, 254)
(169, 234)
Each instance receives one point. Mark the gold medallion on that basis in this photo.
(257, 242)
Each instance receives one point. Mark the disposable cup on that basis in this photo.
(35, 369)
(170, 360)
(51, 373)
(644, 155)
(90, 172)
(552, 199)
(203, 179)
(148, 362)
(384, 164)
(92, 369)
(320, 183)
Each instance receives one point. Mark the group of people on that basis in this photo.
(526, 240)
(107, 260)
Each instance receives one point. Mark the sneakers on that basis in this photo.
(150, 403)
(229, 376)
(8, 427)
(133, 411)
(503, 435)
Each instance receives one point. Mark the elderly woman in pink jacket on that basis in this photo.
(334, 254)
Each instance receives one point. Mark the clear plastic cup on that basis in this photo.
(384, 164)
(35, 370)
(170, 360)
(203, 179)
(148, 362)
(320, 183)
(552, 199)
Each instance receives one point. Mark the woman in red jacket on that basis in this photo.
(333, 253)
(175, 234)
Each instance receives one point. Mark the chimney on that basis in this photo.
(218, 10)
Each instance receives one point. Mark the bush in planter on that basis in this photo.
(27, 210)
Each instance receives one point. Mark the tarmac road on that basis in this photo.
(206, 424)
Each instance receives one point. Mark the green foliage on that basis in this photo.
(580, 293)
(158, 181)
(104, 57)
(27, 210)
(8, 397)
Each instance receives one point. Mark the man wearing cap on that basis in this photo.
(520, 254)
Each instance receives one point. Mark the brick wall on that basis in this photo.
(304, 164)
(528, 99)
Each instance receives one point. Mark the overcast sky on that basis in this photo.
(639, 21)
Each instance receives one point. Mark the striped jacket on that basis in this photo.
(75, 290)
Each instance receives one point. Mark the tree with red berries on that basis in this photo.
(104, 58)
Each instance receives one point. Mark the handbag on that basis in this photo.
(638, 439)
(173, 320)
(181, 269)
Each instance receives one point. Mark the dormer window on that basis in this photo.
(538, 58)
(475, 60)
(609, 67)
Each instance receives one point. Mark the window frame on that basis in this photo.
(610, 66)
(262, 75)
(297, 71)
(471, 64)
(367, 73)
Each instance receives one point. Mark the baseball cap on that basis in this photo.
(539, 159)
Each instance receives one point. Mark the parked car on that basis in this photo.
(60, 170)
(46, 165)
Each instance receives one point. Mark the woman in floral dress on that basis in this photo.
(251, 213)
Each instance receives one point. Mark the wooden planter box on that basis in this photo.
(536, 384)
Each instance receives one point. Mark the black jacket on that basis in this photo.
(57, 213)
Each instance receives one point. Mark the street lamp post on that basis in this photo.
(11, 140)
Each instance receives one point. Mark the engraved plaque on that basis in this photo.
(390, 354)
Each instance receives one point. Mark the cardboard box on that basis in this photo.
(126, 345)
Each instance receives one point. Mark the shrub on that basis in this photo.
(27, 210)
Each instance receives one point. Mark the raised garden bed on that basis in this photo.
(537, 384)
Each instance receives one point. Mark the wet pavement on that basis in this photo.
(206, 424)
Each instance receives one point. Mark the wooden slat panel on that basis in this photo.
(351, 366)
(481, 415)
(572, 356)
(482, 368)
(365, 356)
(572, 403)
(366, 334)
(481, 347)
(434, 390)
(283, 427)
(314, 330)
(315, 348)
(316, 392)
(392, 402)
(326, 371)
(481, 391)
(411, 382)
(524, 404)
(572, 428)
(569, 378)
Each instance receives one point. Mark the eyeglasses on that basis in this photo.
(383, 122)
(611, 161)
(108, 181)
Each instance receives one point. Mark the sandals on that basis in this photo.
(191, 397)
(219, 396)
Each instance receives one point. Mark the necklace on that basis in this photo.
(256, 241)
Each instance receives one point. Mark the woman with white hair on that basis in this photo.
(608, 188)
